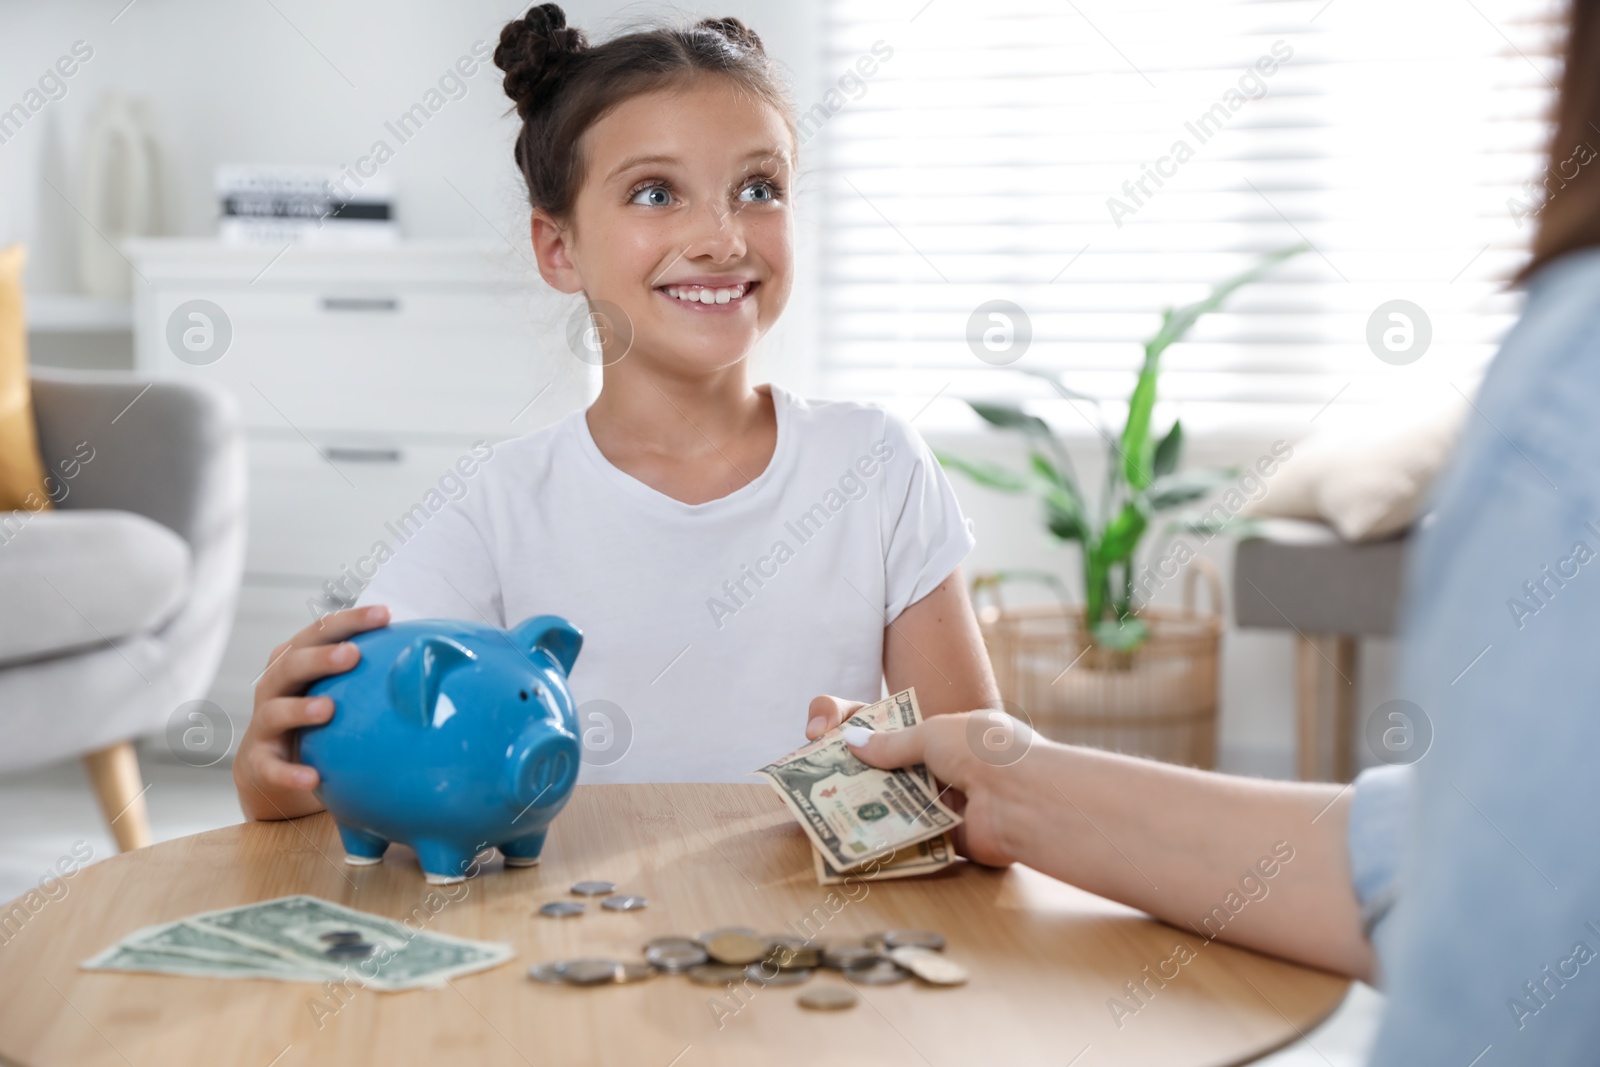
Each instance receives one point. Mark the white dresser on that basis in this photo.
(362, 376)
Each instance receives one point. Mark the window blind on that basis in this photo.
(1092, 163)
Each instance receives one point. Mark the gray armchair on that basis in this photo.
(117, 604)
(1302, 576)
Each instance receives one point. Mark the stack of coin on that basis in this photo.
(738, 954)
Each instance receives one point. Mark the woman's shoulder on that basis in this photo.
(1543, 387)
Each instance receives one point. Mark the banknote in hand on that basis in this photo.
(855, 814)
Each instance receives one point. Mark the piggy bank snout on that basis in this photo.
(545, 768)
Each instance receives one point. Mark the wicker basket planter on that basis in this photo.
(1159, 700)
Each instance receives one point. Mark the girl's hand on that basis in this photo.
(827, 712)
(270, 784)
(975, 787)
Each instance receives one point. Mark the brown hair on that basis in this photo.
(1570, 216)
(562, 85)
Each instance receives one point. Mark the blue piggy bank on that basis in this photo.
(449, 737)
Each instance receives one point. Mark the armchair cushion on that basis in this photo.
(86, 578)
(22, 483)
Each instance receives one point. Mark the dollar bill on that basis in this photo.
(924, 857)
(853, 812)
(290, 939)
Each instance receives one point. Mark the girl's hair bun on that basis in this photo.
(735, 31)
(536, 51)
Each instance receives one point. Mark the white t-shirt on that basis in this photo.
(710, 626)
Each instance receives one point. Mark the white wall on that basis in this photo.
(316, 83)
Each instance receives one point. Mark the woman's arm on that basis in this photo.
(1259, 863)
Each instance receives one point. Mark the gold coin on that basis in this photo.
(792, 954)
(828, 997)
(928, 965)
(736, 948)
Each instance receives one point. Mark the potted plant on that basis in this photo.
(1143, 481)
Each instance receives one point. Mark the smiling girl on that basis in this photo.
(729, 550)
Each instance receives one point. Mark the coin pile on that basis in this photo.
(739, 954)
(614, 901)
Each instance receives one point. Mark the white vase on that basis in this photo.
(117, 194)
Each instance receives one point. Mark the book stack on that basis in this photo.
(304, 205)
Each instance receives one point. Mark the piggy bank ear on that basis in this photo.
(553, 634)
(419, 671)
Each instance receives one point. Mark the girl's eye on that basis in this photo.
(759, 192)
(652, 196)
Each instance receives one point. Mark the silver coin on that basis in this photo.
(624, 902)
(828, 997)
(675, 957)
(765, 974)
(929, 965)
(845, 955)
(561, 909)
(635, 972)
(927, 939)
(590, 971)
(715, 974)
(547, 972)
(883, 972)
(594, 889)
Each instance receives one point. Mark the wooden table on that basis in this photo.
(1045, 959)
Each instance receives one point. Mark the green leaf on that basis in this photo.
(1055, 383)
(1175, 489)
(1121, 535)
(991, 475)
(1135, 447)
(1137, 461)
(1064, 518)
(1175, 323)
(1120, 636)
(1047, 470)
(1169, 452)
(1010, 417)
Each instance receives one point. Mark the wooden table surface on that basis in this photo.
(1045, 958)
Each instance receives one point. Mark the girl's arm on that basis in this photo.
(934, 646)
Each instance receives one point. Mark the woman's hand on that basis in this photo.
(973, 787)
(945, 744)
(270, 784)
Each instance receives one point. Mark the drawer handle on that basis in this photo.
(360, 303)
(336, 453)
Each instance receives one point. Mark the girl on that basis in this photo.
(727, 549)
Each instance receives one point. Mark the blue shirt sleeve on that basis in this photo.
(1379, 811)
(1491, 954)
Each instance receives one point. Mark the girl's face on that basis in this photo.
(683, 222)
